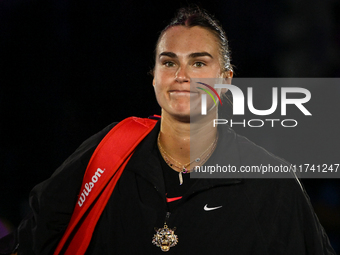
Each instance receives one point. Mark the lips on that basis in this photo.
(183, 91)
(180, 91)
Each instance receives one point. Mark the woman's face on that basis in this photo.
(181, 54)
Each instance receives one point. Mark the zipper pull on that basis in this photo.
(167, 216)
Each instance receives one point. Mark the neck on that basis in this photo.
(177, 137)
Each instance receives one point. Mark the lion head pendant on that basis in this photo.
(165, 238)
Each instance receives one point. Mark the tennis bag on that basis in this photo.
(102, 173)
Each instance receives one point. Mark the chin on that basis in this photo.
(180, 115)
(183, 118)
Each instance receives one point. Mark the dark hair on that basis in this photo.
(196, 16)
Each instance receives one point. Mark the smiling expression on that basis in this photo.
(181, 54)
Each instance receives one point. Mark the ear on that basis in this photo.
(153, 82)
(227, 76)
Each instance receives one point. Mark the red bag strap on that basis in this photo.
(103, 171)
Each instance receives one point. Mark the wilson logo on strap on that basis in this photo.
(88, 186)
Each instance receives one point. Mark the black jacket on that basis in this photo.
(258, 216)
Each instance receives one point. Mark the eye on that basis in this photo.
(169, 64)
(199, 64)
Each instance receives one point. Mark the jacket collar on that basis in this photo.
(225, 154)
(145, 161)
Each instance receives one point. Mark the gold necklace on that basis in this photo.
(183, 169)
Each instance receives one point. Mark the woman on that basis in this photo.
(155, 206)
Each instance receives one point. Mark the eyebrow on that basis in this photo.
(200, 54)
(191, 55)
(168, 54)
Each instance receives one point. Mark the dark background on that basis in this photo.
(69, 68)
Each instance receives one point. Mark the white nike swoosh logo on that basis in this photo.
(206, 208)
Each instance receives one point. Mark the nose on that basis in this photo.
(182, 75)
